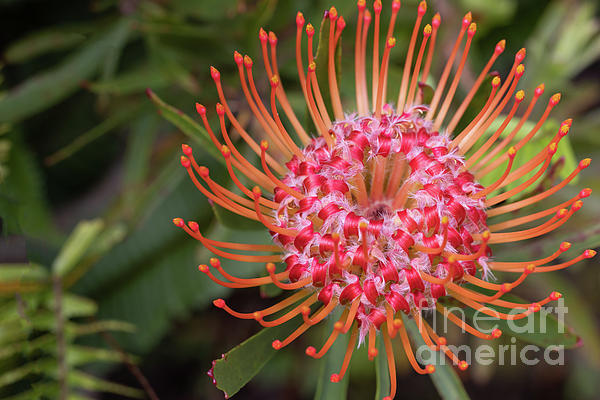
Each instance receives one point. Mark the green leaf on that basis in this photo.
(185, 124)
(22, 273)
(99, 326)
(85, 381)
(40, 43)
(234, 221)
(330, 364)
(52, 86)
(109, 124)
(82, 355)
(445, 379)
(540, 328)
(76, 245)
(243, 362)
(382, 372)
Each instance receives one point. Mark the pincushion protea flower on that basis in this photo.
(380, 212)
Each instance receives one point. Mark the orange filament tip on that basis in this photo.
(535, 307)
(496, 333)
(396, 5)
(333, 13)
(310, 30)
(214, 262)
(225, 151)
(564, 246)
(377, 6)
(272, 38)
(467, 18)
(270, 267)
(472, 29)
(214, 73)
(520, 96)
(444, 220)
(200, 109)
(427, 30)
(555, 296)
(512, 151)
(361, 4)
(430, 368)
(585, 163)
(561, 213)
(185, 162)
(505, 288)
(310, 351)
(486, 235)
(203, 171)
(276, 344)
(262, 35)
(529, 268)
(397, 323)
(442, 341)
(248, 61)
(496, 81)
(335, 378)
(436, 21)
(373, 353)
(204, 268)
(552, 148)
(540, 90)
(239, 59)
(312, 66)
(422, 8)
(341, 23)
(257, 192)
(219, 303)
(220, 109)
(187, 150)
(300, 19)
(178, 222)
(194, 226)
(264, 145)
(520, 70)
(577, 205)
(500, 46)
(555, 99)
(274, 81)
(338, 326)
(463, 365)
(521, 55)
(589, 253)
(391, 42)
(585, 193)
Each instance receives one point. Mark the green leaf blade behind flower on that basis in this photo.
(445, 379)
(331, 363)
(240, 364)
(186, 124)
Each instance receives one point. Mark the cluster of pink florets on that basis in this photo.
(330, 216)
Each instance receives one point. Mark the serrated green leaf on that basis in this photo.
(77, 244)
(185, 124)
(52, 86)
(243, 362)
(330, 364)
(445, 379)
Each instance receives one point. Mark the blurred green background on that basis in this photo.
(81, 141)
